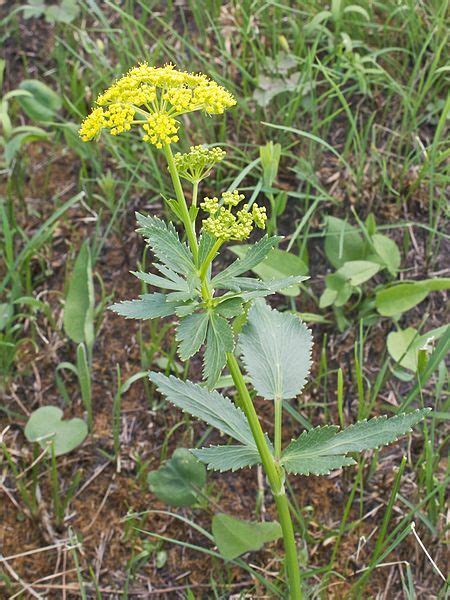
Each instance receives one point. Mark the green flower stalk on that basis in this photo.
(224, 316)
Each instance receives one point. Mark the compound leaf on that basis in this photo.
(276, 349)
(278, 264)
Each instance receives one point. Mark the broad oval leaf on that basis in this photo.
(388, 252)
(46, 424)
(234, 537)
(276, 349)
(178, 481)
(358, 271)
(404, 296)
(42, 104)
(343, 242)
(403, 345)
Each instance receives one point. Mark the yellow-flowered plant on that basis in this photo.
(213, 310)
(150, 98)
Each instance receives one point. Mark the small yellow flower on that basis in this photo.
(161, 129)
(92, 125)
(225, 225)
(118, 117)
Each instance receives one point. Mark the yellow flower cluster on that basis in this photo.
(154, 91)
(92, 125)
(223, 224)
(196, 164)
(161, 129)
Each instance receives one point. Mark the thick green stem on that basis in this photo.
(208, 260)
(184, 211)
(278, 420)
(275, 477)
(194, 193)
(271, 466)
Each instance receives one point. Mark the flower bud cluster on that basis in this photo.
(196, 164)
(225, 225)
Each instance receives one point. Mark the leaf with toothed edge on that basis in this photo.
(149, 306)
(323, 449)
(276, 350)
(210, 406)
(254, 256)
(219, 341)
(206, 244)
(191, 333)
(226, 458)
(166, 245)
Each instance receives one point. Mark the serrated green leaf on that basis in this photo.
(162, 282)
(219, 341)
(226, 458)
(322, 449)
(179, 480)
(191, 333)
(149, 306)
(252, 258)
(166, 245)
(278, 265)
(234, 537)
(343, 242)
(229, 308)
(276, 349)
(210, 406)
(205, 245)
